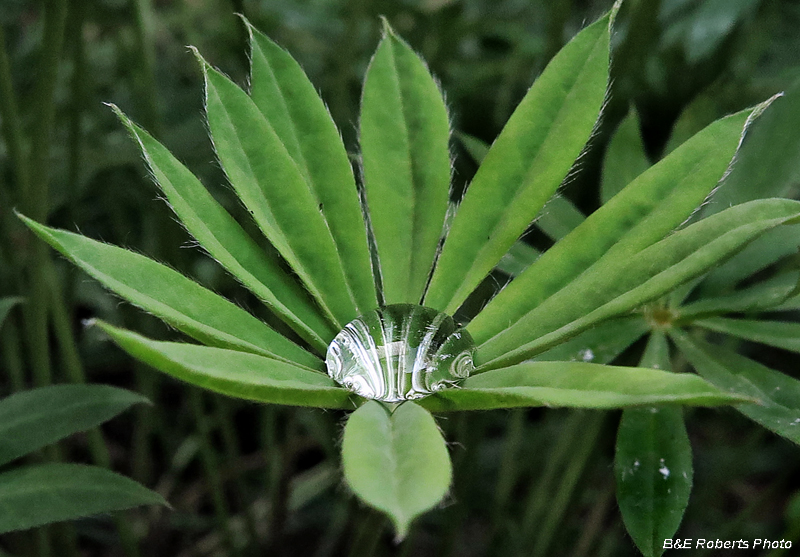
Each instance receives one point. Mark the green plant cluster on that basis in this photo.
(682, 250)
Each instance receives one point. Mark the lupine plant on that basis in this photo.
(365, 271)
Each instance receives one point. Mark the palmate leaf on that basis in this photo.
(37, 495)
(777, 395)
(599, 345)
(289, 102)
(616, 286)
(577, 385)
(525, 165)
(30, 420)
(172, 297)
(226, 241)
(648, 209)
(233, 373)
(404, 134)
(397, 462)
(277, 194)
(653, 464)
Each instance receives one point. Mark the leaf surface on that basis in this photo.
(37, 495)
(30, 420)
(6, 304)
(646, 211)
(653, 464)
(397, 463)
(232, 373)
(625, 157)
(294, 110)
(761, 296)
(172, 297)
(777, 395)
(525, 165)
(578, 385)
(225, 240)
(277, 194)
(404, 134)
(614, 287)
(780, 334)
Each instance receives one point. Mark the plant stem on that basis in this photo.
(146, 82)
(12, 359)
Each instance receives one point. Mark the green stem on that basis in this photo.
(12, 358)
(9, 118)
(146, 82)
(590, 429)
(208, 457)
(78, 93)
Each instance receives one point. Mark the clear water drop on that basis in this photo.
(400, 352)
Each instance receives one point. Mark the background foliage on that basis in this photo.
(243, 478)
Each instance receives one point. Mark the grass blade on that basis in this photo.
(404, 134)
(30, 420)
(291, 105)
(275, 191)
(226, 241)
(398, 462)
(37, 495)
(524, 166)
(172, 297)
(232, 373)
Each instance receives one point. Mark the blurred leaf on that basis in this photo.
(625, 157)
(579, 385)
(767, 164)
(617, 286)
(229, 244)
(30, 420)
(37, 495)
(648, 209)
(519, 257)
(476, 148)
(777, 395)
(404, 134)
(759, 297)
(600, 344)
(559, 217)
(764, 251)
(525, 166)
(291, 105)
(653, 464)
(6, 304)
(398, 462)
(780, 334)
(232, 373)
(172, 297)
(275, 191)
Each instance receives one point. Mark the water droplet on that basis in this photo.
(586, 355)
(664, 470)
(400, 352)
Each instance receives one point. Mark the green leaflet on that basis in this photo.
(30, 420)
(761, 296)
(600, 344)
(398, 462)
(777, 395)
(652, 206)
(519, 257)
(524, 166)
(404, 133)
(774, 333)
(226, 241)
(576, 384)
(37, 495)
(615, 287)
(172, 297)
(559, 217)
(289, 102)
(653, 464)
(275, 191)
(232, 373)
(625, 157)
